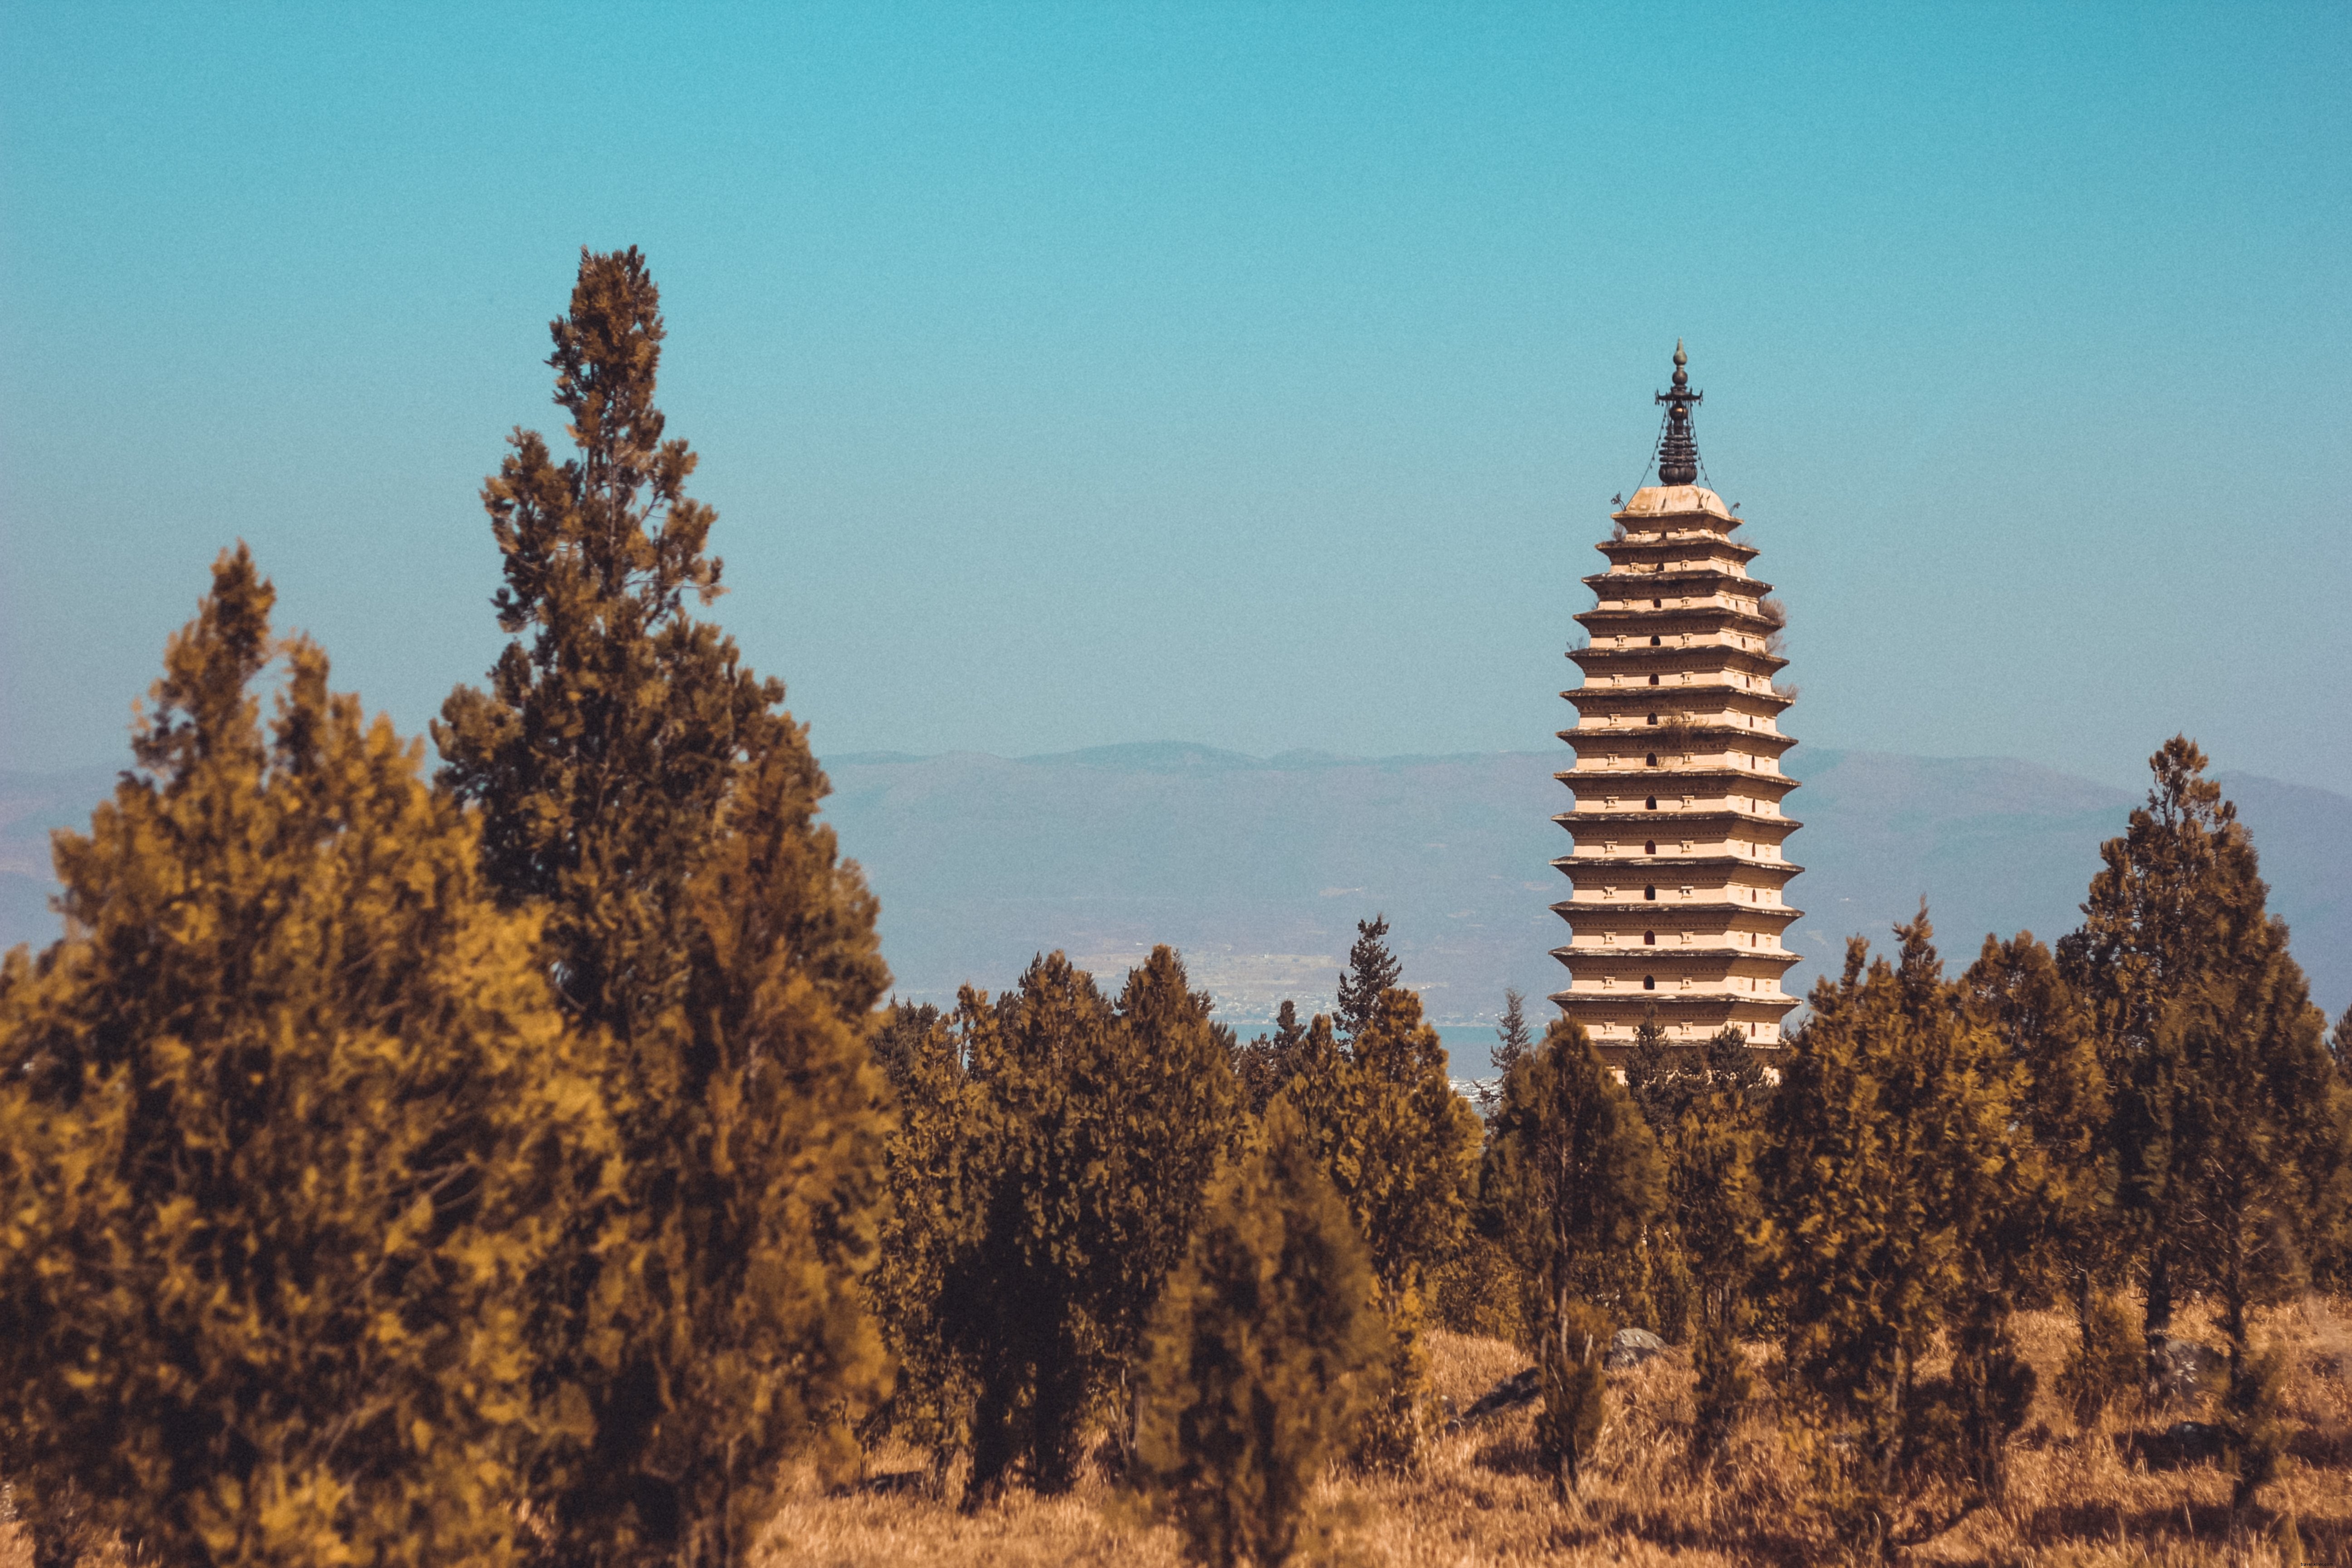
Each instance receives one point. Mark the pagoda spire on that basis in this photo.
(1677, 452)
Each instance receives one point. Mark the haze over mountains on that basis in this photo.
(1258, 868)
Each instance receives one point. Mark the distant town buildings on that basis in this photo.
(1679, 875)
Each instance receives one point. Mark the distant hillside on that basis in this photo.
(1258, 868)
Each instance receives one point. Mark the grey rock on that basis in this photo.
(2192, 1440)
(1631, 1348)
(2185, 1369)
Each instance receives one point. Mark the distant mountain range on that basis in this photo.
(1258, 868)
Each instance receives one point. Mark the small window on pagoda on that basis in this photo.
(1651, 804)
(1650, 847)
(1650, 893)
(1654, 679)
(1654, 718)
(1649, 939)
(1654, 643)
(1656, 604)
(1654, 760)
(1648, 983)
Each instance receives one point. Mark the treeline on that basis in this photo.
(521, 1163)
(2150, 1113)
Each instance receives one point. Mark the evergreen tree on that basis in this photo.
(1732, 1067)
(1573, 1175)
(1372, 972)
(1891, 1164)
(1265, 1348)
(1655, 1074)
(283, 1118)
(2260, 1120)
(1267, 1062)
(2205, 1044)
(2064, 1224)
(1094, 1134)
(1402, 1148)
(936, 1178)
(1513, 1040)
(1713, 1215)
(644, 793)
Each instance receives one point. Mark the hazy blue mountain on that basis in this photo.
(1258, 868)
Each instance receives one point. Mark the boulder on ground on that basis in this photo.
(2184, 1368)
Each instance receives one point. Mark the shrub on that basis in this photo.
(286, 1120)
(1265, 1350)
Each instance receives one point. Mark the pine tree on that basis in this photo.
(2261, 1111)
(1265, 1350)
(2015, 989)
(1655, 1074)
(1267, 1062)
(1891, 1167)
(936, 1216)
(1574, 1175)
(1093, 1133)
(1713, 1215)
(644, 795)
(2206, 1044)
(282, 1120)
(1372, 972)
(1513, 1040)
(1402, 1148)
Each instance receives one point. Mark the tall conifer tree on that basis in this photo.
(1402, 1149)
(1094, 1132)
(1574, 1175)
(647, 797)
(2065, 1223)
(2179, 964)
(1265, 1348)
(1891, 1166)
(285, 1120)
(1372, 971)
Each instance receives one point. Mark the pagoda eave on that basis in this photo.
(1614, 744)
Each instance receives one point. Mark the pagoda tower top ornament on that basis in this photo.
(1678, 909)
(1677, 449)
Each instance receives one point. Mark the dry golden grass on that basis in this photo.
(2077, 1499)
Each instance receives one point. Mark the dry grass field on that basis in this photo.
(2104, 1498)
(2110, 1495)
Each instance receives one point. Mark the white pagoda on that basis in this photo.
(1679, 878)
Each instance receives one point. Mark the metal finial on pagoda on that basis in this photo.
(1677, 452)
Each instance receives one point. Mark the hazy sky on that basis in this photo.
(1255, 376)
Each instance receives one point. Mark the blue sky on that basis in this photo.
(1253, 376)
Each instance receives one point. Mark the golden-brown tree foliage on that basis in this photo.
(284, 1119)
(1572, 1176)
(1093, 1133)
(1263, 1352)
(646, 795)
(1402, 1148)
(1894, 1161)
